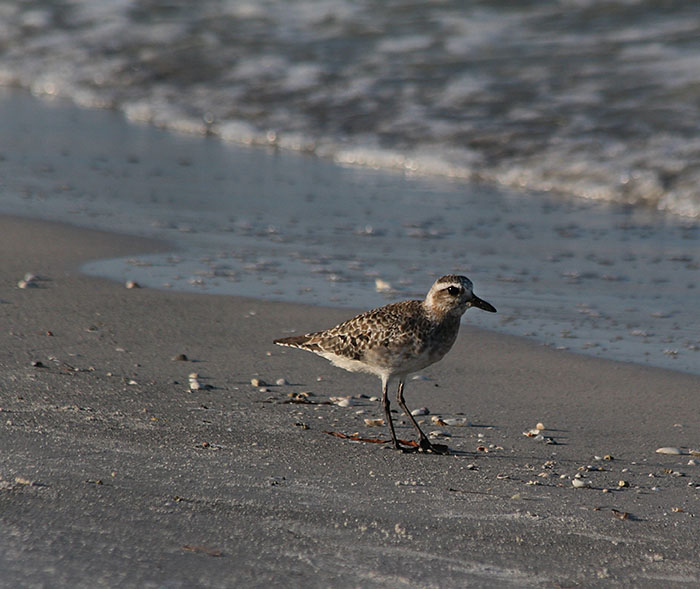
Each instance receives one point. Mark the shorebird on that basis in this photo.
(393, 341)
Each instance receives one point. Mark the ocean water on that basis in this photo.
(594, 98)
(610, 280)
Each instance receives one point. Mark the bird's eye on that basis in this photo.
(453, 290)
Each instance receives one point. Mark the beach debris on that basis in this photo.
(622, 484)
(132, 284)
(195, 384)
(539, 426)
(455, 421)
(420, 411)
(302, 425)
(382, 285)
(258, 382)
(357, 438)
(620, 514)
(677, 509)
(374, 422)
(179, 358)
(579, 483)
(38, 364)
(302, 398)
(436, 420)
(29, 281)
(670, 450)
(438, 433)
(693, 462)
(281, 382)
(419, 377)
(344, 401)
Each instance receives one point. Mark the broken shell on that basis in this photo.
(435, 420)
(420, 411)
(622, 484)
(580, 483)
(540, 426)
(132, 284)
(374, 422)
(27, 284)
(669, 450)
(179, 358)
(258, 382)
(455, 421)
(281, 382)
(439, 434)
(344, 401)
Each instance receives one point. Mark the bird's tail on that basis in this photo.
(296, 341)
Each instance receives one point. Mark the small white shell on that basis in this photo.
(420, 411)
(382, 285)
(669, 450)
(580, 483)
(344, 401)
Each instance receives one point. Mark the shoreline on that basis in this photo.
(115, 473)
(604, 281)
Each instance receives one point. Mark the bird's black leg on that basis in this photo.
(387, 413)
(423, 441)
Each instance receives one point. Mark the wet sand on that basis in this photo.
(114, 473)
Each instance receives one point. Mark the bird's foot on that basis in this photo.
(425, 445)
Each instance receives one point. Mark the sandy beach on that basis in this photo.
(114, 473)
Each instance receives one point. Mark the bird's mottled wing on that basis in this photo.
(391, 326)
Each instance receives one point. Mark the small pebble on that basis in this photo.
(281, 382)
(258, 382)
(180, 358)
(439, 434)
(420, 411)
(132, 284)
(580, 483)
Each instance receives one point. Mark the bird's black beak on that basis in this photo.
(481, 304)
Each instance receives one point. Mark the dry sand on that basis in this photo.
(114, 473)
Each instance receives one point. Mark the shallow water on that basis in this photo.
(612, 281)
(595, 98)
